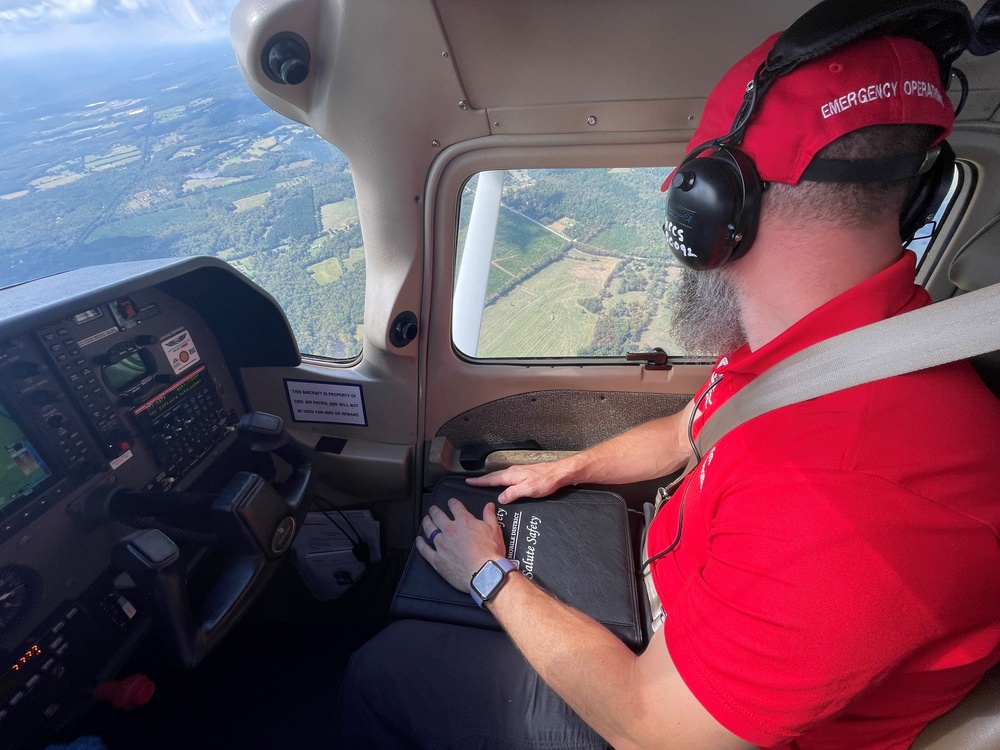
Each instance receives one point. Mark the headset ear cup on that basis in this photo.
(706, 208)
(745, 231)
(928, 194)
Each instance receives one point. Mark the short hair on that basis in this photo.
(856, 205)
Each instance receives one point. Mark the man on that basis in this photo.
(834, 581)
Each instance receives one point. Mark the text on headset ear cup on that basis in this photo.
(713, 208)
(930, 191)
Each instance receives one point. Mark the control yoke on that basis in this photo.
(256, 524)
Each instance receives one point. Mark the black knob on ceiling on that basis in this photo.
(404, 329)
(285, 58)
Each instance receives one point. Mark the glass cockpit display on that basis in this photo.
(126, 372)
(22, 469)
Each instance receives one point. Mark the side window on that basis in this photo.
(562, 263)
(173, 155)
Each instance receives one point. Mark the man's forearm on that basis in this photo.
(649, 450)
(579, 658)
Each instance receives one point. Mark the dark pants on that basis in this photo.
(428, 685)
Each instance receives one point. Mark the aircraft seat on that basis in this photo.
(974, 724)
(978, 266)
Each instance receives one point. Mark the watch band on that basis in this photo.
(505, 565)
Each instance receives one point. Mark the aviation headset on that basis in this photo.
(715, 197)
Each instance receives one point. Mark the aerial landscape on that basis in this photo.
(579, 264)
(173, 156)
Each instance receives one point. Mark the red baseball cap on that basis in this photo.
(881, 80)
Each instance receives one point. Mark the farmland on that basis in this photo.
(542, 316)
(339, 214)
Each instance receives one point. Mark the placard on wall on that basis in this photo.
(336, 403)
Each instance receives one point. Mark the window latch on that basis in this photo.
(655, 360)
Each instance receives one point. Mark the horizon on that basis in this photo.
(72, 75)
(67, 28)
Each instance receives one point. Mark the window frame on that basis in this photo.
(638, 154)
(958, 204)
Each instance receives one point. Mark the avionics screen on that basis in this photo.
(21, 467)
(122, 374)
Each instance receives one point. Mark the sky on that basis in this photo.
(34, 27)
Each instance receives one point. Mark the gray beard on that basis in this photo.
(706, 313)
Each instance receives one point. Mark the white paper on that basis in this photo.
(323, 550)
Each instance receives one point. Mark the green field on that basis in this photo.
(618, 237)
(542, 315)
(521, 247)
(355, 256)
(251, 201)
(326, 271)
(337, 214)
(331, 269)
(97, 162)
(148, 225)
(658, 333)
(240, 190)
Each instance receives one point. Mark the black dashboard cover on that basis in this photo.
(575, 545)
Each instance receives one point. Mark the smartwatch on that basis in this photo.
(489, 578)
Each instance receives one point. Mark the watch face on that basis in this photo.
(486, 581)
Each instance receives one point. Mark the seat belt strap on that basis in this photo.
(954, 329)
(950, 330)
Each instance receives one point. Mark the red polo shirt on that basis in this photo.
(836, 581)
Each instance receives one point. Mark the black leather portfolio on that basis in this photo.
(574, 544)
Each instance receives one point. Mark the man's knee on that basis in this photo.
(424, 684)
(366, 706)
(361, 674)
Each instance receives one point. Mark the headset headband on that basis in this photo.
(944, 26)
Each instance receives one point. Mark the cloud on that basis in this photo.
(64, 25)
(33, 17)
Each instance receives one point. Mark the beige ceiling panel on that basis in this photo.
(525, 52)
(616, 117)
(980, 105)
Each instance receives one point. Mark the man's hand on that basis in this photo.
(533, 480)
(463, 544)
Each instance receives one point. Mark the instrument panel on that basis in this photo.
(136, 390)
